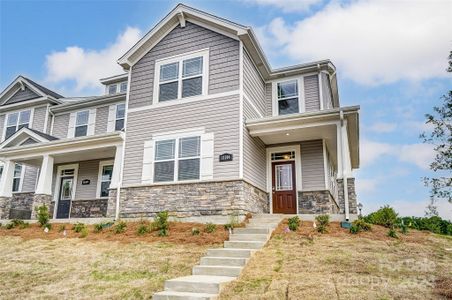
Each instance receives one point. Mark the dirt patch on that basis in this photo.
(443, 287)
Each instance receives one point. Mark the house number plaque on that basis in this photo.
(86, 181)
(225, 157)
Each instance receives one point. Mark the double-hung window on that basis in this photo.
(120, 115)
(81, 123)
(16, 121)
(17, 175)
(287, 97)
(106, 173)
(123, 87)
(177, 159)
(182, 77)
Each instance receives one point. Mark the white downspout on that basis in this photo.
(344, 170)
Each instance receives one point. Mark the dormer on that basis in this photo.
(115, 84)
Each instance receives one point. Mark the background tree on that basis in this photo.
(441, 137)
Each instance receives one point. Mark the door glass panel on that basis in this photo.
(283, 175)
(66, 189)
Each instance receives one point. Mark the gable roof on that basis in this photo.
(24, 135)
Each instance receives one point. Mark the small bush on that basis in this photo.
(101, 226)
(392, 233)
(161, 223)
(48, 226)
(120, 227)
(385, 216)
(84, 232)
(61, 228)
(195, 231)
(143, 228)
(24, 225)
(294, 223)
(362, 225)
(43, 215)
(9, 226)
(17, 223)
(210, 227)
(354, 229)
(233, 220)
(324, 222)
(78, 227)
(228, 226)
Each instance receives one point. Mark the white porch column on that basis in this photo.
(6, 182)
(116, 168)
(44, 185)
(344, 166)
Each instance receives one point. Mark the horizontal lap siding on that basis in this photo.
(311, 92)
(87, 170)
(21, 96)
(312, 165)
(268, 99)
(254, 153)
(39, 118)
(253, 85)
(31, 173)
(101, 120)
(219, 115)
(223, 64)
(60, 126)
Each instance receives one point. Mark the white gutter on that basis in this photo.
(344, 171)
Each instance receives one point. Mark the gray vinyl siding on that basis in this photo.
(254, 153)
(31, 173)
(22, 95)
(218, 115)
(253, 85)
(101, 120)
(268, 99)
(2, 125)
(39, 118)
(60, 126)
(311, 93)
(87, 170)
(326, 92)
(312, 165)
(223, 61)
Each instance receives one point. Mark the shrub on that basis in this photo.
(210, 227)
(48, 226)
(434, 224)
(78, 227)
(61, 228)
(362, 225)
(43, 215)
(143, 228)
(294, 222)
(385, 216)
(161, 223)
(17, 223)
(120, 227)
(324, 222)
(354, 229)
(101, 226)
(233, 221)
(392, 233)
(84, 232)
(195, 231)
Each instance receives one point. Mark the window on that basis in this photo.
(283, 155)
(181, 77)
(105, 179)
(123, 87)
(16, 121)
(112, 89)
(177, 159)
(16, 177)
(81, 123)
(120, 115)
(287, 97)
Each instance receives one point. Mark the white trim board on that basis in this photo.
(102, 164)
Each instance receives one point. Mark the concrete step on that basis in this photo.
(270, 227)
(222, 252)
(171, 295)
(258, 222)
(232, 271)
(244, 244)
(223, 261)
(248, 237)
(197, 284)
(252, 230)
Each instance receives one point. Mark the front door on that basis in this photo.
(284, 195)
(65, 197)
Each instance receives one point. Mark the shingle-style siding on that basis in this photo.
(253, 85)
(218, 115)
(39, 118)
(326, 92)
(312, 165)
(223, 64)
(268, 99)
(22, 95)
(311, 93)
(254, 153)
(60, 126)
(101, 120)
(31, 173)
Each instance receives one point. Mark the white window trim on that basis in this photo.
(30, 123)
(56, 194)
(116, 115)
(112, 108)
(87, 121)
(102, 164)
(21, 178)
(117, 88)
(179, 59)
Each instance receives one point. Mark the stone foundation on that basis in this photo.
(21, 206)
(316, 202)
(39, 200)
(352, 201)
(191, 199)
(5, 207)
(96, 208)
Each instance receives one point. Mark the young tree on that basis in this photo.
(441, 137)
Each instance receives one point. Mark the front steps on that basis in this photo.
(221, 265)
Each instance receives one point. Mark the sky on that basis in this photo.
(391, 58)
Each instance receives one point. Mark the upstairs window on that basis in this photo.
(123, 87)
(81, 123)
(115, 88)
(112, 89)
(17, 177)
(287, 97)
(120, 115)
(16, 121)
(181, 77)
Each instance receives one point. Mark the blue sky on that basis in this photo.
(391, 59)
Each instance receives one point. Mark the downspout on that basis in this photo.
(344, 171)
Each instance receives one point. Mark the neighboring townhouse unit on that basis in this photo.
(199, 125)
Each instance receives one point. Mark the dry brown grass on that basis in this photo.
(339, 265)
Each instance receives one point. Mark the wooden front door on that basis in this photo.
(284, 195)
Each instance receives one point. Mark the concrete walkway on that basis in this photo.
(222, 265)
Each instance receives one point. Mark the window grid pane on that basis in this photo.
(119, 125)
(24, 117)
(10, 131)
(288, 106)
(164, 171)
(123, 87)
(169, 72)
(120, 111)
(168, 91)
(81, 130)
(112, 89)
(191, 87)
(287, 89)
(82, 118)
(189, 169)
(12, 119)
(189, 147)
(192, 67)
(165, 149)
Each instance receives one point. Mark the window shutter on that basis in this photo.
(111, 118)
(71, 127)
(91, 121)
(207, 156)
(148, 157)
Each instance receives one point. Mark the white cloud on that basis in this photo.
(287, 5)
(85, 67)
(365, 185)
(371, 151)
(420, 154)
(383, 127)
(372, 42)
